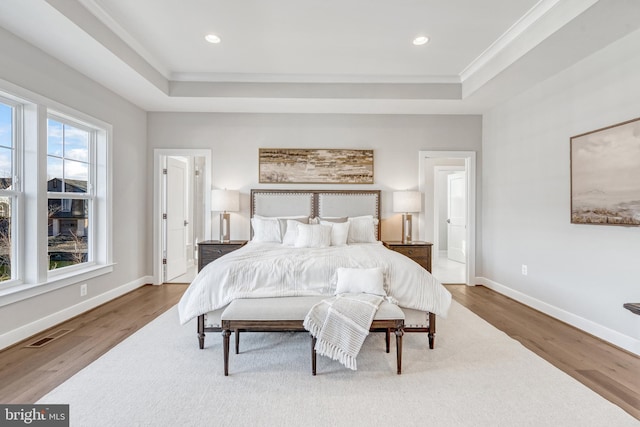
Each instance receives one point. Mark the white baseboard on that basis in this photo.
(9, 338)
(616, 338)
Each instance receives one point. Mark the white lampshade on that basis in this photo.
(407, 201)
(225, 200)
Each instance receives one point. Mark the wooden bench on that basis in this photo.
(287, 314)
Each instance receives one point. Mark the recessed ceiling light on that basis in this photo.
(212, 38)
(419, 41)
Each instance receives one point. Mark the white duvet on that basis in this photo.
(260, 270)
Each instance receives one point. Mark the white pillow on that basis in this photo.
(266, 230)
(283, 221)
(333, 218)
(313, 236)
(339, 232)
(360, 280)
(362, 230)
(291, 235)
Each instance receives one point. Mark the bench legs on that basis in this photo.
(399, 334)
(226, 334)
(313, 355)
(225, 346)
(201, 331)
(432, 330)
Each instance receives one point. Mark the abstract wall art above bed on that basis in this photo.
(315, 166)
(605, 175)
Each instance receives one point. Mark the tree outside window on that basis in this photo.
(7, 192)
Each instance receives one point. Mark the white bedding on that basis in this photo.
(260, 270)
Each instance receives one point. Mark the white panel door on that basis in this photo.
(176, 219)
(457, 218)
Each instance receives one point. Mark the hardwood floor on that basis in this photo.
(27, 374)
(611, 372)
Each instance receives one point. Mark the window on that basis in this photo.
(9, 193)
(65, 198)
(70, 168)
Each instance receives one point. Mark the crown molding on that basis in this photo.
(105, 17)
(309, 78)
(538, 24)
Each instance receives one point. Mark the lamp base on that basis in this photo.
(406, 228)
(225, 227)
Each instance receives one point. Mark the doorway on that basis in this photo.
(181, 212)
(447, 180)
(177, 217)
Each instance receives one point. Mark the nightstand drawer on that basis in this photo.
(420, 252)
(211, 250)
(413, 252)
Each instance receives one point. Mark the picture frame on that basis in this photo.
(605, 175)
(315, 166)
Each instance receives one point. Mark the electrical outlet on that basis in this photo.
(83, 290)
(524, 269)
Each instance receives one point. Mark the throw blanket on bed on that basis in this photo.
(340, 325)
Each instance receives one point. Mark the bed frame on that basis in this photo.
(324, 203)
(316, 203)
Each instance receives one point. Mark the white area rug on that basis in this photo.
(476, 376)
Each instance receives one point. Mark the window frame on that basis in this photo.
(33, 277)
(88, 197)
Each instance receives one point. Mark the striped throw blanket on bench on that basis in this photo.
(340, 325)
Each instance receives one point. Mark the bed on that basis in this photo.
(267, 268)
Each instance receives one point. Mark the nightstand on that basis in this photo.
(418, 251)
(210, 250)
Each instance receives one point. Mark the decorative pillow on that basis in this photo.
(291, 233)
(333, 219)
(283, 221)
(360, 280)
(362, 229)
(266, 230)
(339, 232)
(285, 224)
(313, 236)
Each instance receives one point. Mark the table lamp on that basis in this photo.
(406, 202)
(225, 201)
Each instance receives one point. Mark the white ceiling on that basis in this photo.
(330, 56)
(329, 39)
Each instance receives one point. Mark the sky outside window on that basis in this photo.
(6, 145)
(68, 155)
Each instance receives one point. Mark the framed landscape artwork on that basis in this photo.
(605, 175)
(315, 166)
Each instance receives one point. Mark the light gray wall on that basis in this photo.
(579, 273)
(235, 138)
(30, 68)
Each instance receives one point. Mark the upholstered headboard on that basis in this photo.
(313, 203)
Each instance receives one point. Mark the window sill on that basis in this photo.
(22, 292)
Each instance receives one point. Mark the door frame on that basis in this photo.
(470, 169)
(159, 156)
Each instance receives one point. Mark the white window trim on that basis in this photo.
(93, 161)
(37, 280)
